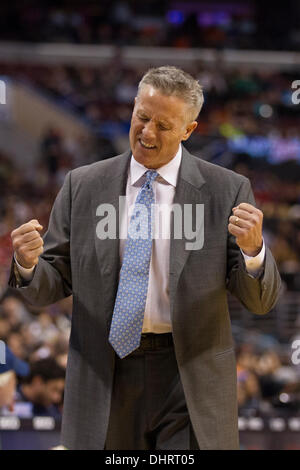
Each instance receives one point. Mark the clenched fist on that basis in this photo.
(246, 225)
(28, 243)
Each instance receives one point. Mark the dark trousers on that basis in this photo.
(148, 408)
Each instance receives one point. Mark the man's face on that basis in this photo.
(54, 391)
(48, 393)
(158, 124)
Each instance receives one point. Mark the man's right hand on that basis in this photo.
(28, 243)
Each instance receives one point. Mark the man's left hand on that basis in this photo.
(246, 225)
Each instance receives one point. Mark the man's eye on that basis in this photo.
(143, 118)
(162, 128)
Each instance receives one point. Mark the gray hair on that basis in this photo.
(170, 80)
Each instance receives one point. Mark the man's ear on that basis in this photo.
(189, 129)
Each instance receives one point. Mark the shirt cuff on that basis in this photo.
(255, 264)
(25, 273)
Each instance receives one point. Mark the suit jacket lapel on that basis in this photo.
(189, 190)
(107, 187)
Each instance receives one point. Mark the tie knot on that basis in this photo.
(150, 176)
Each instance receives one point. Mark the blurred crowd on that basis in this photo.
(268, 384)
(238, 101)
(222, 24)
(36, 355)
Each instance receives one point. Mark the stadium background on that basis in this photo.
(69, 73)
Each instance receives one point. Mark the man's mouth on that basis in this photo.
(145, 145)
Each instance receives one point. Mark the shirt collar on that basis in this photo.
(168, 172)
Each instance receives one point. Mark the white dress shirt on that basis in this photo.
(157, 317)
(157, 311)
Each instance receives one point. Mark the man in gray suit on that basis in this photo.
(168, 380)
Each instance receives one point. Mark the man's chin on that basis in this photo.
(148, 160)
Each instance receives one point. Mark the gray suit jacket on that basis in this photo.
(76, 262)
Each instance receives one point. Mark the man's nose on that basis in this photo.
(149, 131)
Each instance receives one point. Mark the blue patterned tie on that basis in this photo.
(128, 316)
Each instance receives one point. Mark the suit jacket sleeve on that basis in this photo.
(52, 278)
(257, 295)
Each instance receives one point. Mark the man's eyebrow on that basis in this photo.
(142, 113)
(165, 122)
